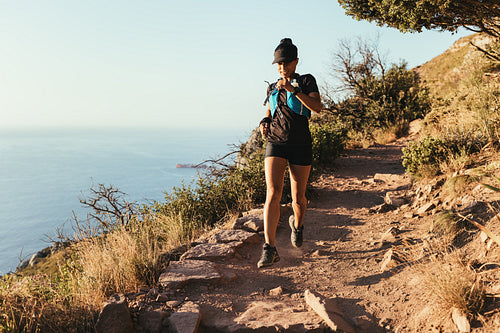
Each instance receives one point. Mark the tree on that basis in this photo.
(415, 15)
(372, 94)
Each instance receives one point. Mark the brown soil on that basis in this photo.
(342, 251)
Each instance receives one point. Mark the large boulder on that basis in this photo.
(180, 273)
(115, 316)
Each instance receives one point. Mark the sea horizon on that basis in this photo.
(44, 171)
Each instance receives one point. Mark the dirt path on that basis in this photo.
(342, 252)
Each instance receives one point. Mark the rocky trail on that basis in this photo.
(344, 266)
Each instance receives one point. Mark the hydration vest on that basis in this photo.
(291, 100)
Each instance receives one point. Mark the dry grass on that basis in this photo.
(128, 258)
(447, 224)
(448, 281)
(35, 304)
(384, 136)
(95, 268)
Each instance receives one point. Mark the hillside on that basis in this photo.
(383, 252)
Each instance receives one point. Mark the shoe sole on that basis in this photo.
(268, 264)
(291, 223)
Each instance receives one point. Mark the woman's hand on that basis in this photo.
(264, 129)
(285, 84)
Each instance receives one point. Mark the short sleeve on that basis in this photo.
(309, 84)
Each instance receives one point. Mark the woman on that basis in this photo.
(286, 127)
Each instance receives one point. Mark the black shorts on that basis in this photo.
(297, 154)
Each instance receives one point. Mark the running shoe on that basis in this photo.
(296, 235)
(269, 256)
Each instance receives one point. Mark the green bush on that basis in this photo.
(328, 142)
(217, 193)
(379, 99)
(452, 152)
(423, 157)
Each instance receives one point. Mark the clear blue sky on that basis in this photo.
(163, 63)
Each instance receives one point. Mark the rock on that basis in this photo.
(390, 261)
(115, 316)
(211, 251)
(24, 264)
(365, 324)
(328, 310)
(425, 208)
(252, 220)
(152, 293)
(391, 235)
(186, 319)
(483, 237)
(255, 141)
(382, 208)
(415, 126)
(468, 203)
(162, 298)
(229, 276)
(276, 317)
(394, 200)
(460, 320)
(489, 244)
(386, 177)
(34, 259)
(409, 215)
(320, 253)
(173, 304)
(151, 321)
(276, 291)
(254, 225)
(179, 273)
(227, 236)
(56, 247)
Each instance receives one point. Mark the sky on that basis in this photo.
(170, 64)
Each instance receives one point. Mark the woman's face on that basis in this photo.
(287, 69)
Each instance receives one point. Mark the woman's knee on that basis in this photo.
(273, 195)
(299, 200)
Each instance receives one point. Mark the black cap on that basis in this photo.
(285, 51)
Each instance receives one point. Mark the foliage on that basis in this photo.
(328, 142)
(414, 16)
(450, 152)
(447, 223)
(217, 193)
(373, 95)
(108, 207)
(38, 303)
(427, 153)
(453, 284)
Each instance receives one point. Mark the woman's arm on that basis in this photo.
(312, 100)
(264, 126)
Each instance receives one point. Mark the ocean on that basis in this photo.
(43, 173)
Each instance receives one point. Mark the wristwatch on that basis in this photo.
(296, 90)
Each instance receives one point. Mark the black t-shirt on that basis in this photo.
(287, 126)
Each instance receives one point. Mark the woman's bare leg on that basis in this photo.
(299, 174)
(275, 168)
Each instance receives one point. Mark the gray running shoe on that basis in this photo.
(269, 256)
(296, 235)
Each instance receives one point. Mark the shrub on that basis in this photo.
(328, 142)
(217, 193)
(451, 152)
(454, 284)
(39, 304)
(373, 95)
(448, 223)
(423, 158)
